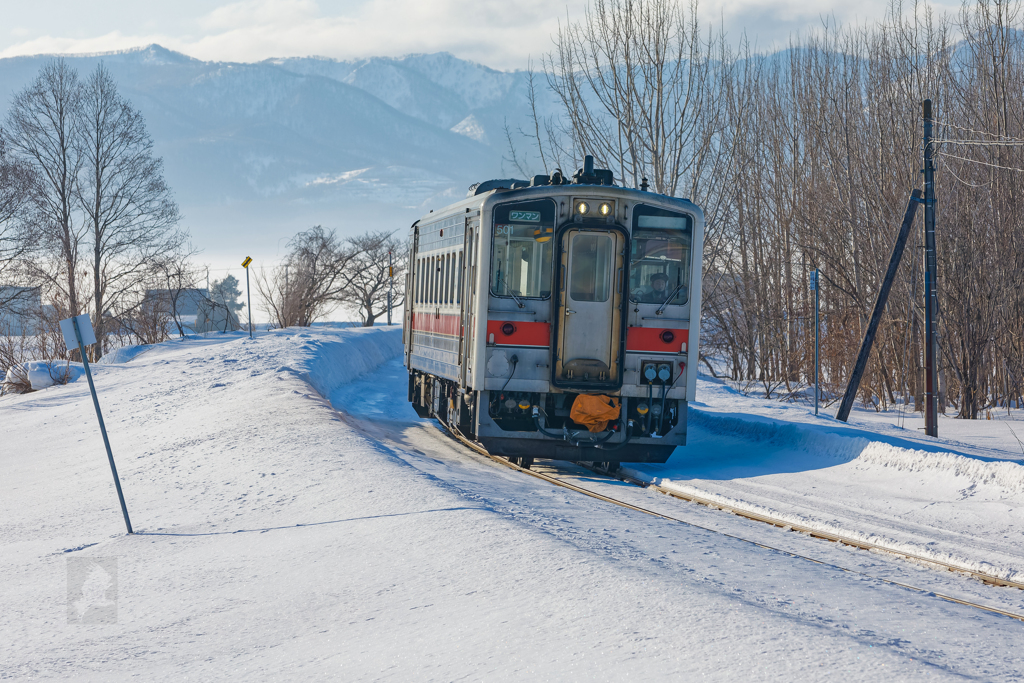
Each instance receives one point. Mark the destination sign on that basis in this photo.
(530, 216)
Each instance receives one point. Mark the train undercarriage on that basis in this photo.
(524, 426)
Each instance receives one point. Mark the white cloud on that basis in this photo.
(498, 33)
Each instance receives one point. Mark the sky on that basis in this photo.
(500, 34)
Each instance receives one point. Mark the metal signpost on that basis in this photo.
(78, 332)
(391, 282)
(248, 293)
(815, 279)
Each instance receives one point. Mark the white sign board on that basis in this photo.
(67, 328)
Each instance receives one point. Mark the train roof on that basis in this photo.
(587, 181)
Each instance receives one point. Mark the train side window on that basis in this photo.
(452, 278)
(447, 278)
(447, 269)
(461, 276)
(419, 281)
(522, 249)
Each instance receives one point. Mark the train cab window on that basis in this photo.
(521, 256)
(659, 264)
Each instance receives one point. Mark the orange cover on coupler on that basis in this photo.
(593, 411)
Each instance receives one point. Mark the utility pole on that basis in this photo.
(931, 427)
(815, 287)
(391, 283)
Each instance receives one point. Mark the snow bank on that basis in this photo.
(40, 374)
(124, 354)
(839, 448)
(327, 364)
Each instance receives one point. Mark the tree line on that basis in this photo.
(88, 224)
(806, 158)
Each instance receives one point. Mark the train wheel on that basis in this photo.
(514, 461)
(526, 463)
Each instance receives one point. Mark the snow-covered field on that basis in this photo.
(281, 538)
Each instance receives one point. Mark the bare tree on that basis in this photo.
(128, 207)
(368, 288)
(43, 124)
(17, 230)
(311, 282)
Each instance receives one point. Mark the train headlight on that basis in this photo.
(582, 208)
(605, 209)
(642, 408)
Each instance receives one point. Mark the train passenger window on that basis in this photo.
(445, 260)
(522, 247)
(449, 274)
(459, 275)
(659, 264)
(590, 268)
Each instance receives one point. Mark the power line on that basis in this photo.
(961, 180)
(979, 132)
(983, 163)
(983, 143)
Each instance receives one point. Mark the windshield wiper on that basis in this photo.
(519, 301)
(669, 299)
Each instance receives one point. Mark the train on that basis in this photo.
(557, 318)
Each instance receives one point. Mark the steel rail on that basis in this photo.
(478, 448)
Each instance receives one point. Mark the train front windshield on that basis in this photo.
(659, 265)
(521, 257)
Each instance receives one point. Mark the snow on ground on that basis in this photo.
(280, 539)
(948, 499)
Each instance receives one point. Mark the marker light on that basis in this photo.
(605, 209)
(583, 208)
(507, 329)
(667, 336)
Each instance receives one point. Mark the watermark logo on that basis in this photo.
(92, 590)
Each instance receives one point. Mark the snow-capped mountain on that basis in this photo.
(255, 152)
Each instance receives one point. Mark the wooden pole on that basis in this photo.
(876, 315)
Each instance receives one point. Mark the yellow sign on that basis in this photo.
(247, 261)
(391, 271)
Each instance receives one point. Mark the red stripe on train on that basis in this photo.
(430, 322)
(650, 339)
(520, 334)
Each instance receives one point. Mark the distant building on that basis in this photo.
(182, 302)
(19, 309)
(194, 309)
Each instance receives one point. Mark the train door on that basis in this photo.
(466, 292)
(412, 292)
(590, 309)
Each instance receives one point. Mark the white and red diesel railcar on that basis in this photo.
(557, 318)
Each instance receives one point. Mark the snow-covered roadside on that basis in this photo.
(277, 542)
(947, 499)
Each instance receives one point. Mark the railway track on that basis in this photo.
(863, 545)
